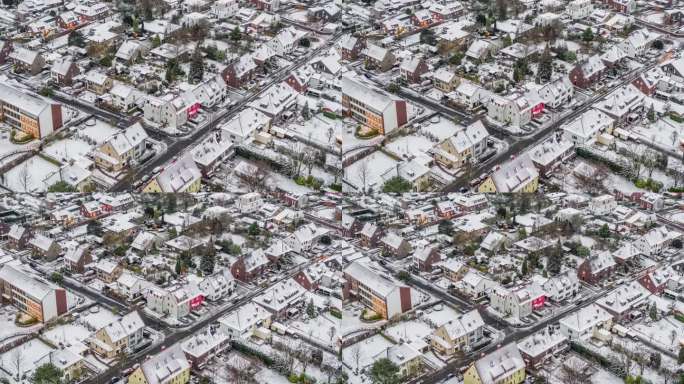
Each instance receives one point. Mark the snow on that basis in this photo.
(72, 336)
(376, 163)
(98, 320)
(317, 328)
(662, 331)
(664, 132)
(98, 132)
(7, 325)
(440, 127)
(411, 145)
(38, 170)
(604, 377)
(68, 149)
(366, 350)
(28, 354)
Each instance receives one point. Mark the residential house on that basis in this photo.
(370, 234)
(445, 80)
(425, 258)
(242, 323)
(98, 82)
(63, 71)
(76, 258)
(203, 346)
(248, 266)
(461, 334)
(377, 57)
(465, 147)
(44, 247)
(656, 240)
(26, 60)
(505, 365)
(351, 47)
(540, 346)
(122, 149)
(168, 366)
(119, 337)
(395, 245)
(596, 268)
(181, 176)
(18, 237)
(588, 72)
(518, 302)
(587, 127)
(107, 270)
(411, 69)
(547, 155)
(517, 175)
(585, 322)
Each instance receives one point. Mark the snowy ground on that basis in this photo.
(33, 171)
(667, 332)
(71, 336)
(68, 149)
(411, 145)
(97, 318)
(7, 325)
(319, 128)
(27, 354)
(99, 131)
(664, 132)
(373, 167)
(440, 127)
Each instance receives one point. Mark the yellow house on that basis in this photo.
(458, 334)
(169, 367)
(119, 336)
(122, 148)
(408, 360)
(518, 175)
(181, 176)
(503, 366)
(445, 80)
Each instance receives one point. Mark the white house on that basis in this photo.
(224, 9)
(581, 324)
(579, 9)
(304, 237)
(588, 126)
(248, 202)
(241, 323)
(656, 240)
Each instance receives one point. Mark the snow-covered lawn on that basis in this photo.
(412, 145)
(372, 167)
(7, 324)
(96, 320)
(664, 132)
(441, 127)
(413, 331)
(667, 332)
(365, 350)
(28, 355)
(30, 175)
(318, 328)
(71, 336)
(68, 149)
(319, 128)
(99, 132)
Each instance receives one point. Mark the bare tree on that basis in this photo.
(17, 360)
(356, 355)
(24, 178)
(669, 376)
(331, 333)
(364, 173)
(330, 134)
(572, 373)
(255, 178)
(241, 372)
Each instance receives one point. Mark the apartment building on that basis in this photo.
(382, 295)
(30, 114)
(371, 107)
(32, 296)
